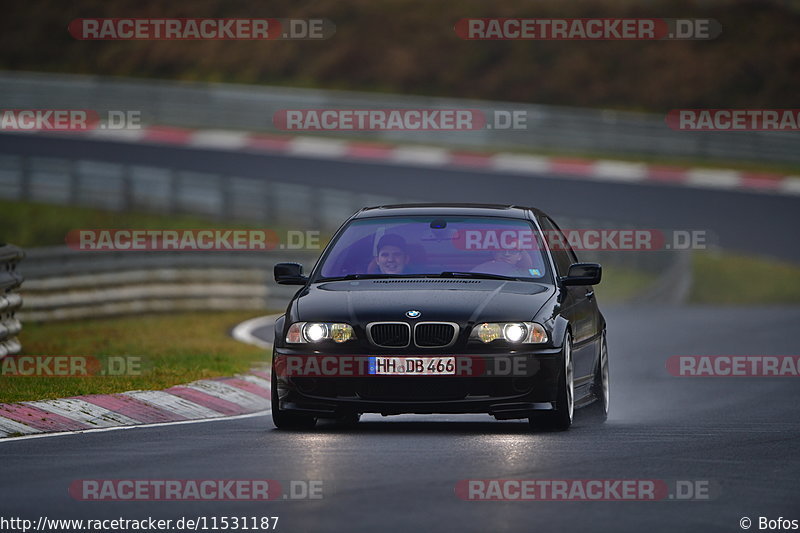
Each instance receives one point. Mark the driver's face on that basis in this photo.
(508, 256)
(391, 260)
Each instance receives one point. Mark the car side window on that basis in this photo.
(563, 256)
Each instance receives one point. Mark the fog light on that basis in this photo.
(489, 332)
(341, 332)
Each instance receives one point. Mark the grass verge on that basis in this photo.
(620, 285)
(174, 349)
(725, 278)
(29, 224)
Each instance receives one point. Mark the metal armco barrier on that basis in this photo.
(65, 284)
(10, 300)
(251, 108)
(122, 187)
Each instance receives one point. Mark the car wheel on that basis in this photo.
(561, 418)
(283, 419)
(598, 410)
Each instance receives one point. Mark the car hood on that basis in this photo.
(452, 300)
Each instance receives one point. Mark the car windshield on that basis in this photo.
(447, 246)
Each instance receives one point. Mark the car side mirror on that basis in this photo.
(290, 274)
(583, 274)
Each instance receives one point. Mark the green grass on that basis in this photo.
(719, 278)
(731, 279)
(174, 349)
(29, 224)
(619, 285)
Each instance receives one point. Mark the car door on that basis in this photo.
(579, 305)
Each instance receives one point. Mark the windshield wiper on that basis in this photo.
(476, 275)
(447, 274)
(369, 276)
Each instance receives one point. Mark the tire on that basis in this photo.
(283, 419)
(598, 411)
(561, 418)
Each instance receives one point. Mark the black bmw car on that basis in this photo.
(448, 308)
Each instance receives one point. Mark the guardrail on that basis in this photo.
(64, 284)
(120, 187)
(10, 300)
(251, 108)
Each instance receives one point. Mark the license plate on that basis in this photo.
(412, 366)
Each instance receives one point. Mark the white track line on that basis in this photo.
(244, 332)
(420, 156)
(318, 147)
(520, 163)
(714, 179)
(791, 185)
(619, 171)
(219, 139)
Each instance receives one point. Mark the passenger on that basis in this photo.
(507, 262)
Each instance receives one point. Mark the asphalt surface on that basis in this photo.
(399, 473)
(736, 220)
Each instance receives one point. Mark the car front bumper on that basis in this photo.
(528, 384)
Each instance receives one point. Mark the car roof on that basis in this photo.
(445, 209)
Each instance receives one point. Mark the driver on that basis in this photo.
(392, 254)
(506, 262)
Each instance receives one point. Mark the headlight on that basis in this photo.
(512, 332)
(305, 332)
